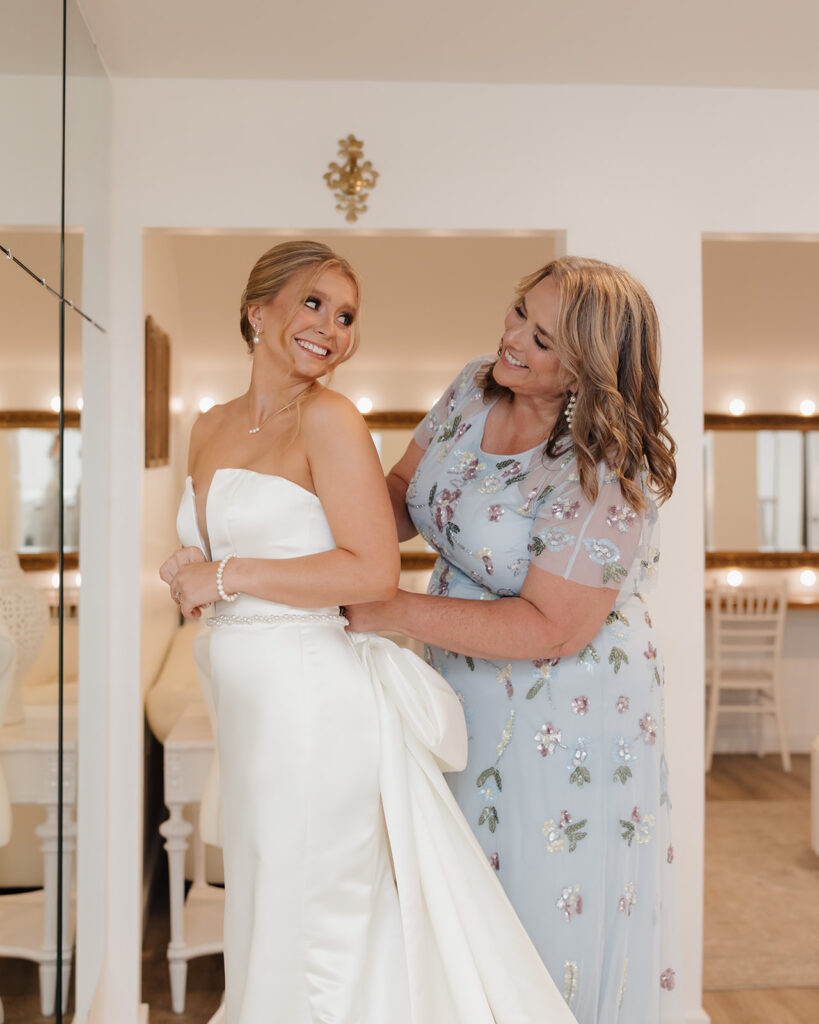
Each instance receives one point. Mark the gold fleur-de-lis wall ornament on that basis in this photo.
(353, 180)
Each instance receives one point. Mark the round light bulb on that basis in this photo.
(55, 580)
(736, 407)
(55, 403)
(734, 578)
(364, 405)
(80, 403)
(206, 403)
(77, 580)
(807, 577)
(807, 407)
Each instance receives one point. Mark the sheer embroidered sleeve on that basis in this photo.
(593, 543)
(461, 393)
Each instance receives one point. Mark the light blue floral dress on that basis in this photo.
(567, 781)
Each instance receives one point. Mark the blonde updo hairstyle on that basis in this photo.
(274, 269)
(608, 340)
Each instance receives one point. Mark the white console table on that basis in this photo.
(28, 921)
(196, 922)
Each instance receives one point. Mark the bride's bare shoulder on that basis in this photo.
(209, 424)
(329, 410)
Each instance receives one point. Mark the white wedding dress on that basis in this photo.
(330, 749)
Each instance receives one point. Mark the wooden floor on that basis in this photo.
(747, 777)
(733, 777)
(763, 1006)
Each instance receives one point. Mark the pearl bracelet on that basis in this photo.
(219, 587)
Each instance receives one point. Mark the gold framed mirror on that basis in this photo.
(761, 491)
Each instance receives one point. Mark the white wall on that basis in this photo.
(160, 484)
(633, 175)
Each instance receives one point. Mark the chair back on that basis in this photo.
(748, 624)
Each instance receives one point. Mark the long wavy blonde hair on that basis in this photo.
(608, 340)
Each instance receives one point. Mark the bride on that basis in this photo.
(355, 892)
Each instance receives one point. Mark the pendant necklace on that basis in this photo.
(284, 408)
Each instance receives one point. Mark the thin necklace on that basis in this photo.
(255, 430)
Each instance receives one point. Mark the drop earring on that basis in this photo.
(256, 332)
(569, 411)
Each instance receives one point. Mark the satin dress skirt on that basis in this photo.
(312, 923)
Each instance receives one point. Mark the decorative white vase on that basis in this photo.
(24, 609)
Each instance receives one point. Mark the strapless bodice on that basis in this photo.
(255, 515)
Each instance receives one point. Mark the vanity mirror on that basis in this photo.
(761, 490)
(29, 485)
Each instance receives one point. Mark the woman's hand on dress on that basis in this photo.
(169, 572)
(184, 556)
(194, 587)
(374, 616)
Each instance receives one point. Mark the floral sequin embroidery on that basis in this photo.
(570, 974)
(668, 979)
(527, 504)
(444, 506)
(554, 539)
(628, 899)
(485, 555)
(606, 553)
(494, 513)
(562, 509)
(570, 902)
(621, 517)
(623, 704)
(490, 484)
(543, 676)
(506, 735)
(624, 755)
(505, 676)
(580, 773)
(639, 827)
(669, 857)
(548, 739)
(580, 705)
(494, 861)
(648, 727)
(557, 833)
(467, 467)
(650, 654)
(489, 813)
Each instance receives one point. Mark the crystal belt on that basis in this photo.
(274, 620)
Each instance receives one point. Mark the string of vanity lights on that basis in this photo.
(41, 280)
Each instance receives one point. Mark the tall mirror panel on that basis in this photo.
(87, 199)
(30, 457)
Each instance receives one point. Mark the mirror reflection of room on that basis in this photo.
(761, 386)
(30, 499)
(53, 227)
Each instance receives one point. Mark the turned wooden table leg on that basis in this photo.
(176, 831)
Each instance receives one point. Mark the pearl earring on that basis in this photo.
(256, 332)
(569, 412)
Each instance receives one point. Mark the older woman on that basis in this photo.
(534, 477)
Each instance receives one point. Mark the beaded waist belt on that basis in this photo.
(274, 620)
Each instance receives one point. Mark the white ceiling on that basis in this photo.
(746, 43)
